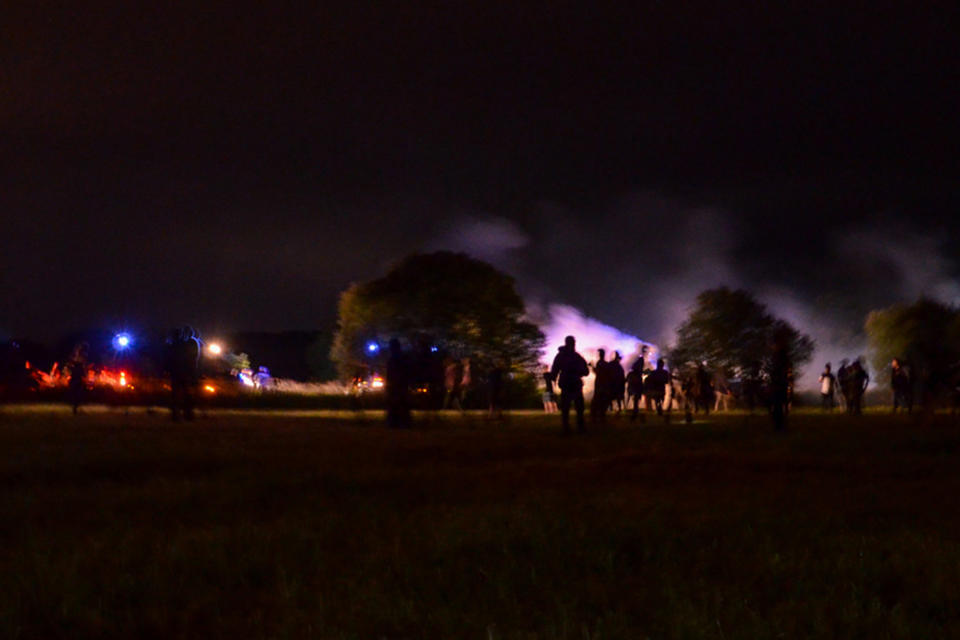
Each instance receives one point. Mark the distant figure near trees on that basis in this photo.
(827, 388)
(902, 386)
(780, 374)
(79, 366)
(495, 390)
(843, 381)
(569, 368)
(549, 391)
(452, 379)
(857, 380)
(398, 387)
(183, 366)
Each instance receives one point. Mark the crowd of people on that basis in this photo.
(644, 387)
(656, 389)
(849, 385)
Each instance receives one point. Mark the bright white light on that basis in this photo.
(214, 348)
(372, 347)
(122, 340)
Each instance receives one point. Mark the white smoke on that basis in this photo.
(591, 334)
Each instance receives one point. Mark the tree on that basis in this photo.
(733, 333)
(449, 301)
(925, 335)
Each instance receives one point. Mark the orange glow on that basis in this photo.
(210, 388)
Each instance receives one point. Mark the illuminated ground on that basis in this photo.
(322, 525)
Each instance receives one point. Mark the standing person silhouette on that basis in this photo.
(779, 383)
(655, 387)
(635, 387)
(601, 388)
(843, 381)
(569, 369)
(901, 385)
(398, 387)
(618, 381)
(183, 365)
(79, 366)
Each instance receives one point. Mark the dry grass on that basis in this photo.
(324, 525)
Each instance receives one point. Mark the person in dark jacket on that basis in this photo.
(618, 380)
(601, 388)
(183, 365)
(569, 369)
(398, 388)
(655, 386)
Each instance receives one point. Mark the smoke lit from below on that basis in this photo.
(564, 320)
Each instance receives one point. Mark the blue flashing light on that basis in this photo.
(122, 340)
(372, 347)
(434, 349)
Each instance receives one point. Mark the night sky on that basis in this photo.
(235, 166)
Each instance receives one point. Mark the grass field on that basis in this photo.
(308, 525)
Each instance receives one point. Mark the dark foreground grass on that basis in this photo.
(308, 526)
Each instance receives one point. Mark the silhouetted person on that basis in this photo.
(495, 381)
(635, 387)
(398, 387)
(780, 367)
(858, 381)
(79, 366)
(902, 386)
(828, 385)
(655, 386)
(752, 386)
(601, 387)
(843, 381)
(618, 381)
(704, 389)
(452, 376)
(183, 365)
(569, 369)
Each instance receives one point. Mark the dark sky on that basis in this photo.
(235, 165)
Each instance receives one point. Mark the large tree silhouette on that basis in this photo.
(733, 333)
(460, 305)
